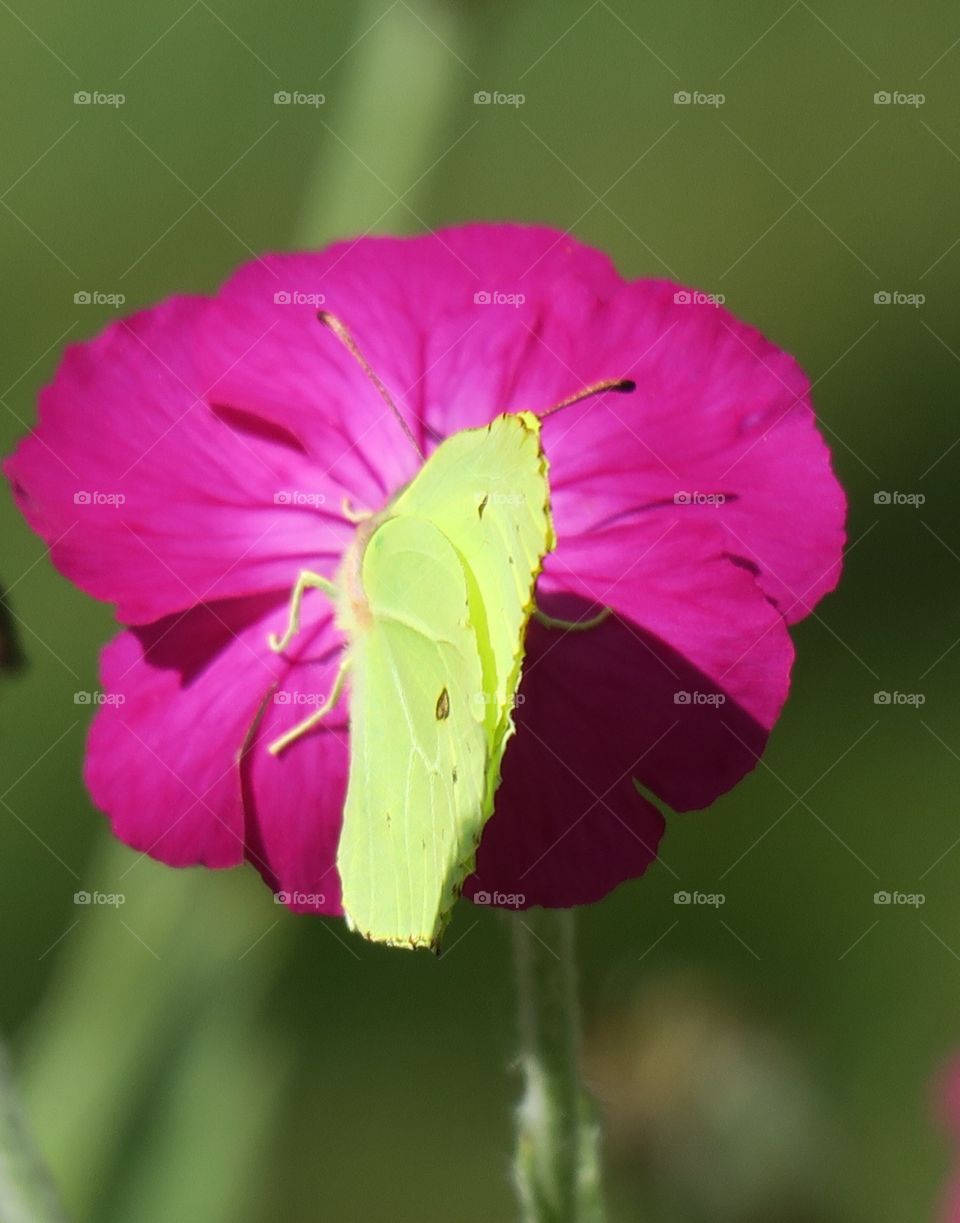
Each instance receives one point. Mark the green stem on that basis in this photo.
(389, 122)
(557, 1165)
(27, 1194)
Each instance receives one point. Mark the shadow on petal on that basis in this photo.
(597, 709)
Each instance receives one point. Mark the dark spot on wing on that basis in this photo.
(443, 705)
(453, 775)
(483, 505)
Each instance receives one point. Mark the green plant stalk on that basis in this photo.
(557, 1164)
(27, 1194)
(388, 114)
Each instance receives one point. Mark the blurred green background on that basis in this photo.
(201, 1054)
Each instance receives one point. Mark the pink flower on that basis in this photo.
(192, 459)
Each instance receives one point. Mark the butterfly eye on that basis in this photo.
(443, 705)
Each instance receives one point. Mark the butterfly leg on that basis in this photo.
(352, 514)
(571, 626)
(278, 745)
(306, 581)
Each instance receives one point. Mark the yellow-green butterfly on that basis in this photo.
(433, 594)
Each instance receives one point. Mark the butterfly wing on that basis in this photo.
(416, 798)
(487, 490)
(448, 586)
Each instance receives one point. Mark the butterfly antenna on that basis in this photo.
(622, 386)
(347, 340)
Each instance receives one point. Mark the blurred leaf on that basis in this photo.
(130, 985)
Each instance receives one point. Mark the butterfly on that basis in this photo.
(433, 595)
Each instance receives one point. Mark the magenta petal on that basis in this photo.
(569, 824)
(678, 691)
(675, 580)
(294, 801)
(182, 698)
(719, 429)
(161, 758)
(150, 499)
